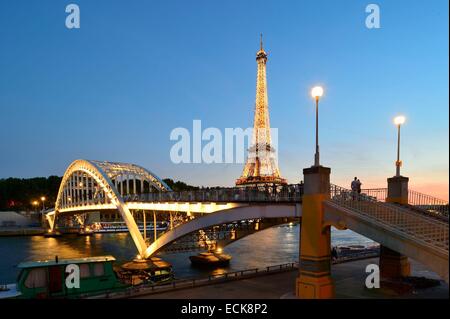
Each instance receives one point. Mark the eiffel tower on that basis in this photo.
(261, 167)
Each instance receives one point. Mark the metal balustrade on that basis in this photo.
(150, 288)
(433, 205)
(287, 193)
(415, 226)
(379, 194)
(427, 202)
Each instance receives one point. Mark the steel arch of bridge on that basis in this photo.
(86, 179)
(90, 185)
(224, 217)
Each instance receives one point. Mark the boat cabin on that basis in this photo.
(47, 279)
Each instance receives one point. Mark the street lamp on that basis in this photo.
(398, 120)
(43, 201)
(317, 93)
(35, 203)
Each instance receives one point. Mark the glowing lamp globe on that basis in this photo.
(317, 92)
(399, 120)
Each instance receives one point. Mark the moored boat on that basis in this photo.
(351, 252)
(120, 227)
(52, 234)
(140, 271)
(97, 275)
(47, 278)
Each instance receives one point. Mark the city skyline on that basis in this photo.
(114, 91)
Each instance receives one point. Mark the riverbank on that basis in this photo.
(349, 279)
(21, 231)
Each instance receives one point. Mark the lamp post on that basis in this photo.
(317, 93)
(399, 120)
(43, 201)
(35, 204)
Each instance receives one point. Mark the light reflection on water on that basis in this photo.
(272, 246)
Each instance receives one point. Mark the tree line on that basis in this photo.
(18, 194)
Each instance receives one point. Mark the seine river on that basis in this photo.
(272, 246)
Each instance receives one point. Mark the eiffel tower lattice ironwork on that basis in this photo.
(261, 166)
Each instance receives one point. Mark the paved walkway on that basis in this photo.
(349, 279)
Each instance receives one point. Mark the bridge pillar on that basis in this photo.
(392, 263)
(397, 190)
(314, 281)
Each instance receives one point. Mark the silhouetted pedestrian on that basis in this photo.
(334, 254)
(354, 187)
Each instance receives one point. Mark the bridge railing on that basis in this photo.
(379, 194)
(287, 193)
(427, 202)
(422, 201)
(428, 230)
(149, 288)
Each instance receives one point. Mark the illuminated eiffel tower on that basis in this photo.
(261, 167)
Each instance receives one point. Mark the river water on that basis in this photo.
(269, 247)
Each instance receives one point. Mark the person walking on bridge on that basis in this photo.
(354, 187)
(358, 188)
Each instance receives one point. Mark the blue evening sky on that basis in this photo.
(115, 88)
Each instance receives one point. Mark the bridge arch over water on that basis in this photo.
(88, 183)
(94, 185)
(224, 217)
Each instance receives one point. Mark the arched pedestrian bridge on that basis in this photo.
(418, 229)
(89, 186)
